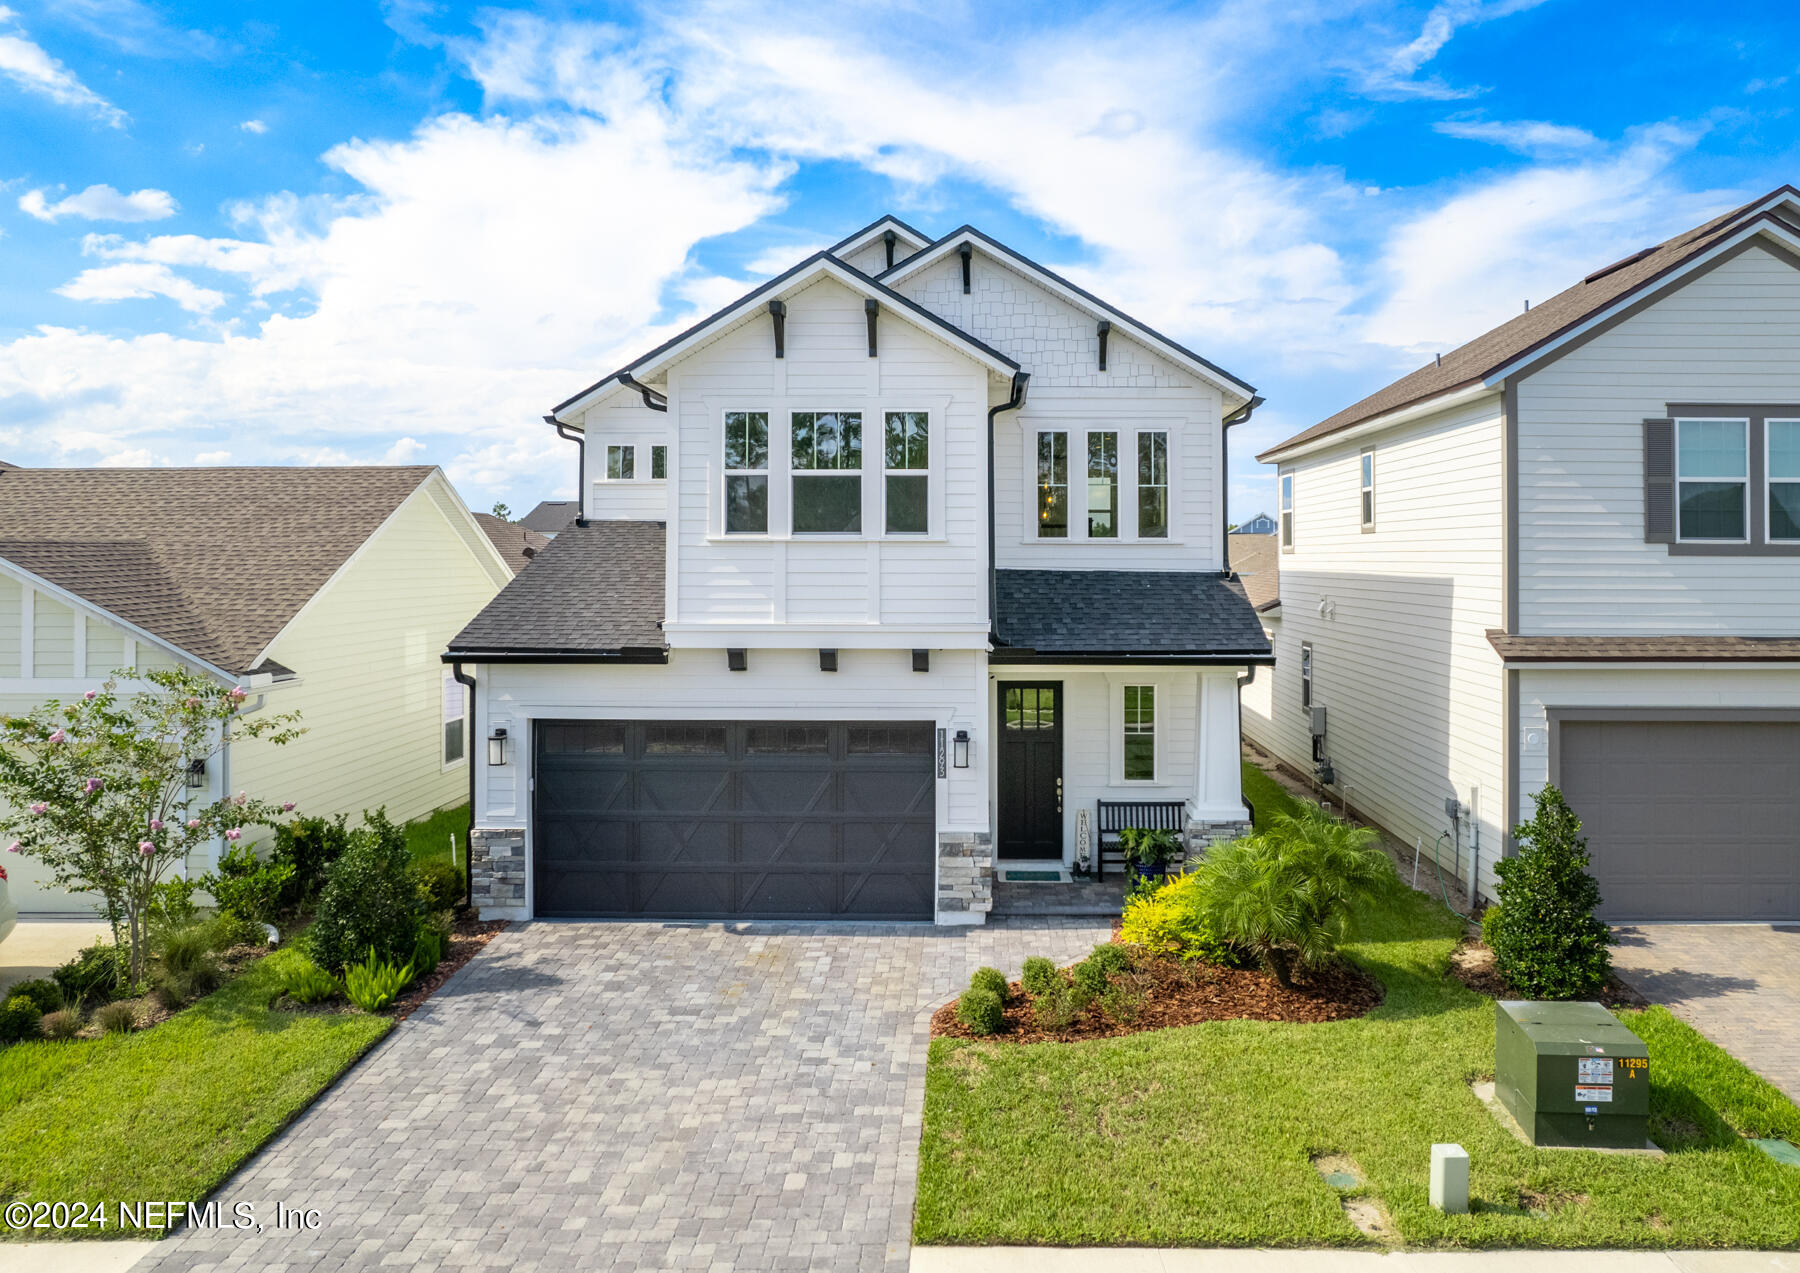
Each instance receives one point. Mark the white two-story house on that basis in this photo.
(1569, 552)
(892, 568)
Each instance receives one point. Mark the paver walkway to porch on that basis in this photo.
(1739, 984)
(621, 1096)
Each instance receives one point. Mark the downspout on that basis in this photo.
(580, 441)
(456, 670)
(1237, 417)
(1020, 380)
(1243, 683)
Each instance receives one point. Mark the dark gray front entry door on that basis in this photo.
(731, 819)
(1688, 820)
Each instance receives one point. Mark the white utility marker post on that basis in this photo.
(1450, 1179)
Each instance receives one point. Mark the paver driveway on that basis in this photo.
(1739, 984)
(606, 1096)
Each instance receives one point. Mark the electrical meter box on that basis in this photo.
(1572, 1074)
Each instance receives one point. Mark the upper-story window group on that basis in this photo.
(621, 463)
(825, 452)
(1137, 508)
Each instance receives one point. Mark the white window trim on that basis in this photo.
(1306, 678)
(1156, 716)
(1168, 486)
(650, 468)
(1743, 420)
(606, 474)
(884, 472)
(1365, 487)
(793, 475)
(445, 766)
(640, 460)
(773, 498)
(1126, 512)
(1769, 480)
(1284, 510)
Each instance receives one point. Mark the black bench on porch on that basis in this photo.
(1115, 816)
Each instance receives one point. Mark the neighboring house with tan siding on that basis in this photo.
(328, 591)
(1569, 552)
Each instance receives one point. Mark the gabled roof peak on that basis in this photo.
(915, 239)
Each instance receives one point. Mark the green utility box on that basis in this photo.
(1572, 1074)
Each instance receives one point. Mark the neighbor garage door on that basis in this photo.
(716, 819)
(1696, 820)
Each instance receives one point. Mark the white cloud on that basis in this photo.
(135, 458)
(213, 457)
(141, 281)
(29, 67)
(254, 126)
(101, 203)
(1526, 136)
(1396, 74)
(1459, 268)
(404, 451)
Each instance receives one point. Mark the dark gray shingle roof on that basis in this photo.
(551, 515)
(594, 590)
(1169, 614)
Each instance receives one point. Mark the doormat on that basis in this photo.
(1032, 877)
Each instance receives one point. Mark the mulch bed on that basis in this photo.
(467, 937)
(1176, 994)
(149, 1011)
(1472, 963)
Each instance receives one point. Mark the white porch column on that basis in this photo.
(1218, 794)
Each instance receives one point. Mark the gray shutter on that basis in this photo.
(1659, 481)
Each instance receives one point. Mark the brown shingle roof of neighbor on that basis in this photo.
(595, 592)
(517, 544)
(1473, 362)
(551, 515)
(215, 561)
(1257, 561)
(1643, 649)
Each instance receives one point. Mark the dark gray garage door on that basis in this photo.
(1688, 819)
(717, 819)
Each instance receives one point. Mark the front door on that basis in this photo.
(1031, 769)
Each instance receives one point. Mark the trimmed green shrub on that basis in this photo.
(306, 982)
(1057, 1008)
(1287, 896)
(42, 991)
(440, 883)
(371, 899)
(1170, 919)
(981, 1011)
(990, 979)
(1041, 975)
(235, 930)
(116, 1018)
(248, 887)
(95, 974)
(1547, 942)
(1094, 974)
(19, 1018)
(172, 905)
(309, 846)
(373, 984)
(62, 1025)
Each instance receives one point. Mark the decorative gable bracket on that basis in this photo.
(778, 314)
(1104, 329)
(870, 309)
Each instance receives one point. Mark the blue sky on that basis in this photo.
(325, 232)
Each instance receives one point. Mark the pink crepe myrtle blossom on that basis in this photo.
(40, 807)
(91, 695)
(191, 702)
(15, 847)
(238, 694)
(58, 737)
(287, 806)
(156, 824)
(93, 785)
(233, 834)
(193, 824)
(146, 848)
(243, 798)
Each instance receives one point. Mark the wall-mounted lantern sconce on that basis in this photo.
(196, 774)
(497, 747)
(960, 749)
(737, 660)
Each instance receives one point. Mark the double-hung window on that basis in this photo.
(1306, 676)
(1053, 485)
(621, 463)
(455, 710)
(907, 460)
(1287, 510)
(1712, 480)
(1153, 486)
(659, 463)
(1784, 480)
(826, 454)
(746, 472)
(1103, 486)
(1368, 489)
(1140, 733)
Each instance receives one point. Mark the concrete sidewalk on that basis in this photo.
(1021, 1259)
(40, 944)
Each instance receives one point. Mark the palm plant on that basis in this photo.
(1287, 896)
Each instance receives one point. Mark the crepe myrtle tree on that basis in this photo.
(97, 788)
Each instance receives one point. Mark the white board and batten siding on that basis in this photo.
(1058, 344)
(731, 582)
(1397, 619)
(1730, 335)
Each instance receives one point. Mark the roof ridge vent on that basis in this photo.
(1633, 259)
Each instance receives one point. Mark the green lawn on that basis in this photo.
(429, 838)
(1266, 796)
(171, 1112)
(1203, 1136)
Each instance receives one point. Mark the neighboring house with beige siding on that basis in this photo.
(327, 591)
(1569, 552)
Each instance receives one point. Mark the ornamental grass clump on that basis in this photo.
(61, 1025)
(116, 1018)
(1547, 942)
(981, 1011)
